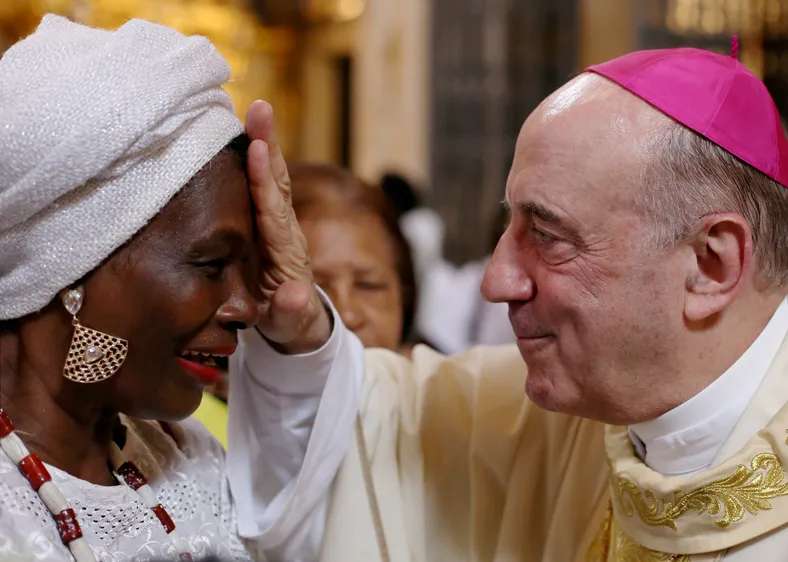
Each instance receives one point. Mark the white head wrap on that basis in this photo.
(98, 130)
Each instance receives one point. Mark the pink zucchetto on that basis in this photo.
(714, 95)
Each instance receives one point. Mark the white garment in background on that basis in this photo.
(423, 228)
(279, 511)
(452, 314)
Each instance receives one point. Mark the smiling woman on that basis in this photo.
(133, 209)
(191, 266)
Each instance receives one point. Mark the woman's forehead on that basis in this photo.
(216, 198)
(348, 237)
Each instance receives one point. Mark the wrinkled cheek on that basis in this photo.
(588, 281)
(575, 344)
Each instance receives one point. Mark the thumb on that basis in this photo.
(291, 299)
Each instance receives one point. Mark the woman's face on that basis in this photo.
(353, 261)
(185, 283)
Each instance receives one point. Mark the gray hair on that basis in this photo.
(690, 177)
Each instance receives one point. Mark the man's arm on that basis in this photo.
(291, 423)
(295, 380)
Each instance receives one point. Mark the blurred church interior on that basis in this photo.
(435, 90)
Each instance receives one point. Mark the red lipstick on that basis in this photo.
(206, 375)
(206, 364)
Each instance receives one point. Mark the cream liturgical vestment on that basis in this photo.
(463, 468)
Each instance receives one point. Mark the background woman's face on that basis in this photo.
(353, 260)
(186, 282)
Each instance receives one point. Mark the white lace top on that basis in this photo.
(188, 478)
(290, 423)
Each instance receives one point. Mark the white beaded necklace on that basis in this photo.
(68, 527)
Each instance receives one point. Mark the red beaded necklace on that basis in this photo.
(33, 469)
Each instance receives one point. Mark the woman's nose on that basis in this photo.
(348, 308)
(240, 311)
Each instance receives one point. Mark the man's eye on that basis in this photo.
(540, 235)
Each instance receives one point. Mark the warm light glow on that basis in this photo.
(259, 57)
(749, 19)
(335, 10)
(350, 9)
(715, 17)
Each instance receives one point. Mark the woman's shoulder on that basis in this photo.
(185, 440)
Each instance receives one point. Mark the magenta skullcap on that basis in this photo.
(714, 95)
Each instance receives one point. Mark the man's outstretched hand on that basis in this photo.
(292, 316)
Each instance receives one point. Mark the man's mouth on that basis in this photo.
(206, 366)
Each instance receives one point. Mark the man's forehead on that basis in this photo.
(576, 91)
(585, 162)
(589, 124)
(593, 105)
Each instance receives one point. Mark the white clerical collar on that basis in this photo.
(686, 439)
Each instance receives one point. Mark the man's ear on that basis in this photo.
(722, 247)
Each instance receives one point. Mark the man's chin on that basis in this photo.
(541, 389)
(542, 399)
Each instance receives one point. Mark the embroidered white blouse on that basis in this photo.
(264, 501)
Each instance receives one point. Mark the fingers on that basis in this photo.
(260, 126)
(258, 119)
(271, 209)
(292, 313)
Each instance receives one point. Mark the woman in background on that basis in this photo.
(359, 255)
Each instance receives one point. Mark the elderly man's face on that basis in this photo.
(596, 314)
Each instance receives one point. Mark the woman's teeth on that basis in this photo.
(207, 359)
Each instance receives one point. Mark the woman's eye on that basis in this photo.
(370, 286)
(213, 269)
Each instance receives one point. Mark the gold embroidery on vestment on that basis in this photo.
(748, 490)
(600, 547)
(628, 550)
(623, 548)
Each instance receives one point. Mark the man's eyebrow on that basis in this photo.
(542, 213)
(534, 209)
(547, 216)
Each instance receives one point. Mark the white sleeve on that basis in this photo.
(291, 422)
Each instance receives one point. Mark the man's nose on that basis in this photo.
(506, 278)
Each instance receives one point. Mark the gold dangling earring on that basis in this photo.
(93, 356)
